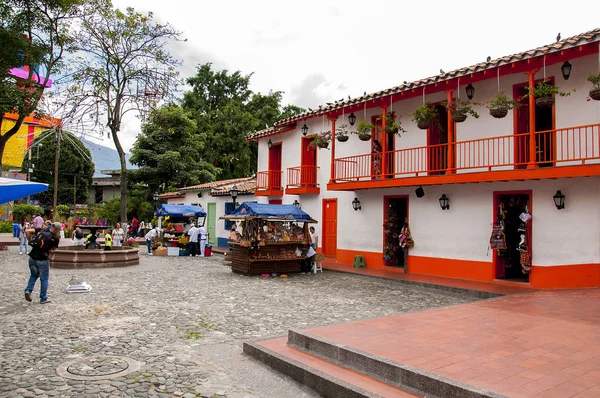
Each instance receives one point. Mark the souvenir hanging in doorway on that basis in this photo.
(523, 247)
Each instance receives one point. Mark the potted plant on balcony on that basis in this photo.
(544, 93)
(392, 124)
(595, 90)
(363, 129)
(500, 105)
(321, 140)
(460, 109)
(341, 133)
(424, 115)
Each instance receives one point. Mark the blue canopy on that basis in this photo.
(180, 211)
(263, 210)
(11, 189)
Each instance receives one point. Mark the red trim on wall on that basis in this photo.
(565, 276)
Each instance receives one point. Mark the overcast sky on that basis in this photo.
(321, 51)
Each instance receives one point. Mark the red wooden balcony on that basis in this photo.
(268, 183)
(302, 180)
(567, 152)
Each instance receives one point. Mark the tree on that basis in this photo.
(21, 212)
(75, 168)
(124, 51)
(225, 109)
(168, 152)
(36, 34)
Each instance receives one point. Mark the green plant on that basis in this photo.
(21, 211)
(63, 211)
(364, 128)
(341, 131)
(321, 140)
(6, 226)
(460, 108)
(595, 80)
(545, 89)
(501, 101)
(392, 124)
(424, 114)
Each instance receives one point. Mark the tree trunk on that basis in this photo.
(123, 175)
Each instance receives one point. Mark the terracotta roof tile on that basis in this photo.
(223, 187)
(580, 39)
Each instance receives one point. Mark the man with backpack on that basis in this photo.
(42, 243)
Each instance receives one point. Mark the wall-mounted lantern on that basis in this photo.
(444, 202)
(270, 144)
(352, 119)
(566, 70)
(304, 129)
(356, 204)
(470, 90)
(559, 200)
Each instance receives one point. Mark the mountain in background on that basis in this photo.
(105, 158)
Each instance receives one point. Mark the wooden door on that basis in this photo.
(329, 227)
(308, 171)
(275, 166)
(211, 217)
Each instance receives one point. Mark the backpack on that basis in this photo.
(41, 239)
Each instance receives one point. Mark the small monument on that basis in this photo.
(78, 287)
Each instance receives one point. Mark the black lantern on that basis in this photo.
(270, 144)
(559, 200)
(444, 202)
(234, 194)
(470, 91)
(297, 204)
(356, 204)
(566, 70)
(304, 129)
(419, 192)
(352, 119)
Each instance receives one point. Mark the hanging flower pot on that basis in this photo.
(424, 124)
(341, 133)
(323, 145)
(342, 138)
(363, 130)
(321, 140)
(544, 102)
(364, 137)
(498, 113)
(459, 117)
(595, 94)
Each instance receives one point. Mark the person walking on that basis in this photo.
(193, 233)
(203, 240)
(38, 222)
(23, 237)
(117, 235)
(152, 234)
(42, 243)
(134, 227)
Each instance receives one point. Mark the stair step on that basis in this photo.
(383, 369)
(328, 379)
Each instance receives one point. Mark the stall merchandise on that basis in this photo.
(173, 220)
(270, 238)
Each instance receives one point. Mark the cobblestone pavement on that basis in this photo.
(176, 324)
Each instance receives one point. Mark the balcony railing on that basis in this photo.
(569, 146)
(269, 180)
(302, 177)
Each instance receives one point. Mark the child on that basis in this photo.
(107, 241)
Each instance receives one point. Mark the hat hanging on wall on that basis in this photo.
(419, 192)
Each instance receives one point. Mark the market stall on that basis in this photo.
(269, 238)
(174, 222)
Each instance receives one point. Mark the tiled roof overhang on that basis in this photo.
(353, 104)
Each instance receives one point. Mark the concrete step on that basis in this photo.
(383, 369)
(329, 380)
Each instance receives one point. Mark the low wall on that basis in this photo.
(79, 257)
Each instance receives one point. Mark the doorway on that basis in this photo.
(512, 211)
(544, 121)
(275, 166)
(330, 227)
(308, 171)
(437, 142)
(380, 138)
(395, 215)
(211, 220)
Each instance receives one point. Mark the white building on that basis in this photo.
(215, 199)
(520, 163)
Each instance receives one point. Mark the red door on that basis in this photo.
(437, 140)
(275, 166)
(308, 171)
(330, 227)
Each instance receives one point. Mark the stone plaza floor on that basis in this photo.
(174, 326)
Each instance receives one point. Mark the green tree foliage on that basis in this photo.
(19, 212)
(225, 109)
(169, 151)
(75, 168)
(38, 34)
(63, 211)
(124, 51)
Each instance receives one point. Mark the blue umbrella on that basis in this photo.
(16, 189)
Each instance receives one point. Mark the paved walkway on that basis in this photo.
(542, 344)
(177, 323)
